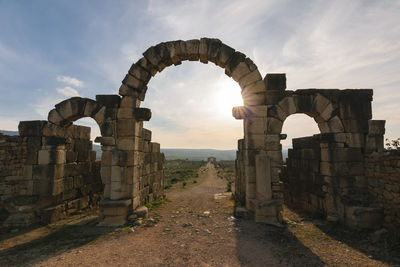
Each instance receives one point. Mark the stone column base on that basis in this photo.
(114, 212)
(266, 211)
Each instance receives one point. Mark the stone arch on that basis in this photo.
(236, 64)
(75, 108)
(311, 103)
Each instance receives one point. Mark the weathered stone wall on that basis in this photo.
(13, 153)
(304, 185)
(151, 185)
(382, 170)
(325, 176)
(47, 173)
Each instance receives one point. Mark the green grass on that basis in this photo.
(179, 171)
(156, 204)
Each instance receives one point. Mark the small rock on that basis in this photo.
(131, 230)
(187, 224)
(232, 219)
(132, 217)
(142, 212)
(206, 213)
(207, 231)
(167, 229)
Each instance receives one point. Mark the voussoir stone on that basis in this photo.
(225, 52)
(192, 49)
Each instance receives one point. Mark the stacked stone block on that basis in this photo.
(325, 175)
(131, 166)
(151, 180)
(304, 185)
(240, 181)
(382, 170)
(55, 173)
(13, 155)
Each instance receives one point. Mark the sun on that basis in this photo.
(228, 96)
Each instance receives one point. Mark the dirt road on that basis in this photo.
(194, 228)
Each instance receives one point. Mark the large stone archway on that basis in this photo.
(124, 166)
(131, 170)
(236, 64)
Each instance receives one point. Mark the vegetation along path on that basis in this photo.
(194, 227)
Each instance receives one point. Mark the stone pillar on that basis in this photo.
(374, 138)
(115, 142)
(126, 155)
(263, 153)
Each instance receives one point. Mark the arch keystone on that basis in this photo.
(192, 49)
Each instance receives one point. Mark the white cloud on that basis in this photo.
(70, 80)
(67, 91)
(318, 44)
(44, 105)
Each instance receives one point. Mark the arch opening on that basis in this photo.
(194, 112)
(200, 121)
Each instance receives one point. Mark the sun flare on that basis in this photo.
(228, 96)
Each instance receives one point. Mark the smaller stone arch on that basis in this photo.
(72, 109)
(309, 102)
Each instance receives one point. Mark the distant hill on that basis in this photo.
(203, 154)
(198, 154)
(181, 153)
(9, 132)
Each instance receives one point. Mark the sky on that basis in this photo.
(53, 50)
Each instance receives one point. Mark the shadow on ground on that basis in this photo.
(386, 249)
(283, 246)
(61, 239)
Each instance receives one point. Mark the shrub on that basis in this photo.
(392, 144)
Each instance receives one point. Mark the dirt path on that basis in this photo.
(194, 228)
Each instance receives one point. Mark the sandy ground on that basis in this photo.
(194, 228)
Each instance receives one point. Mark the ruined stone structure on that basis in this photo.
(332, 173)
(47, 173)
(212, 160)
(382, 170)
(131, 166)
